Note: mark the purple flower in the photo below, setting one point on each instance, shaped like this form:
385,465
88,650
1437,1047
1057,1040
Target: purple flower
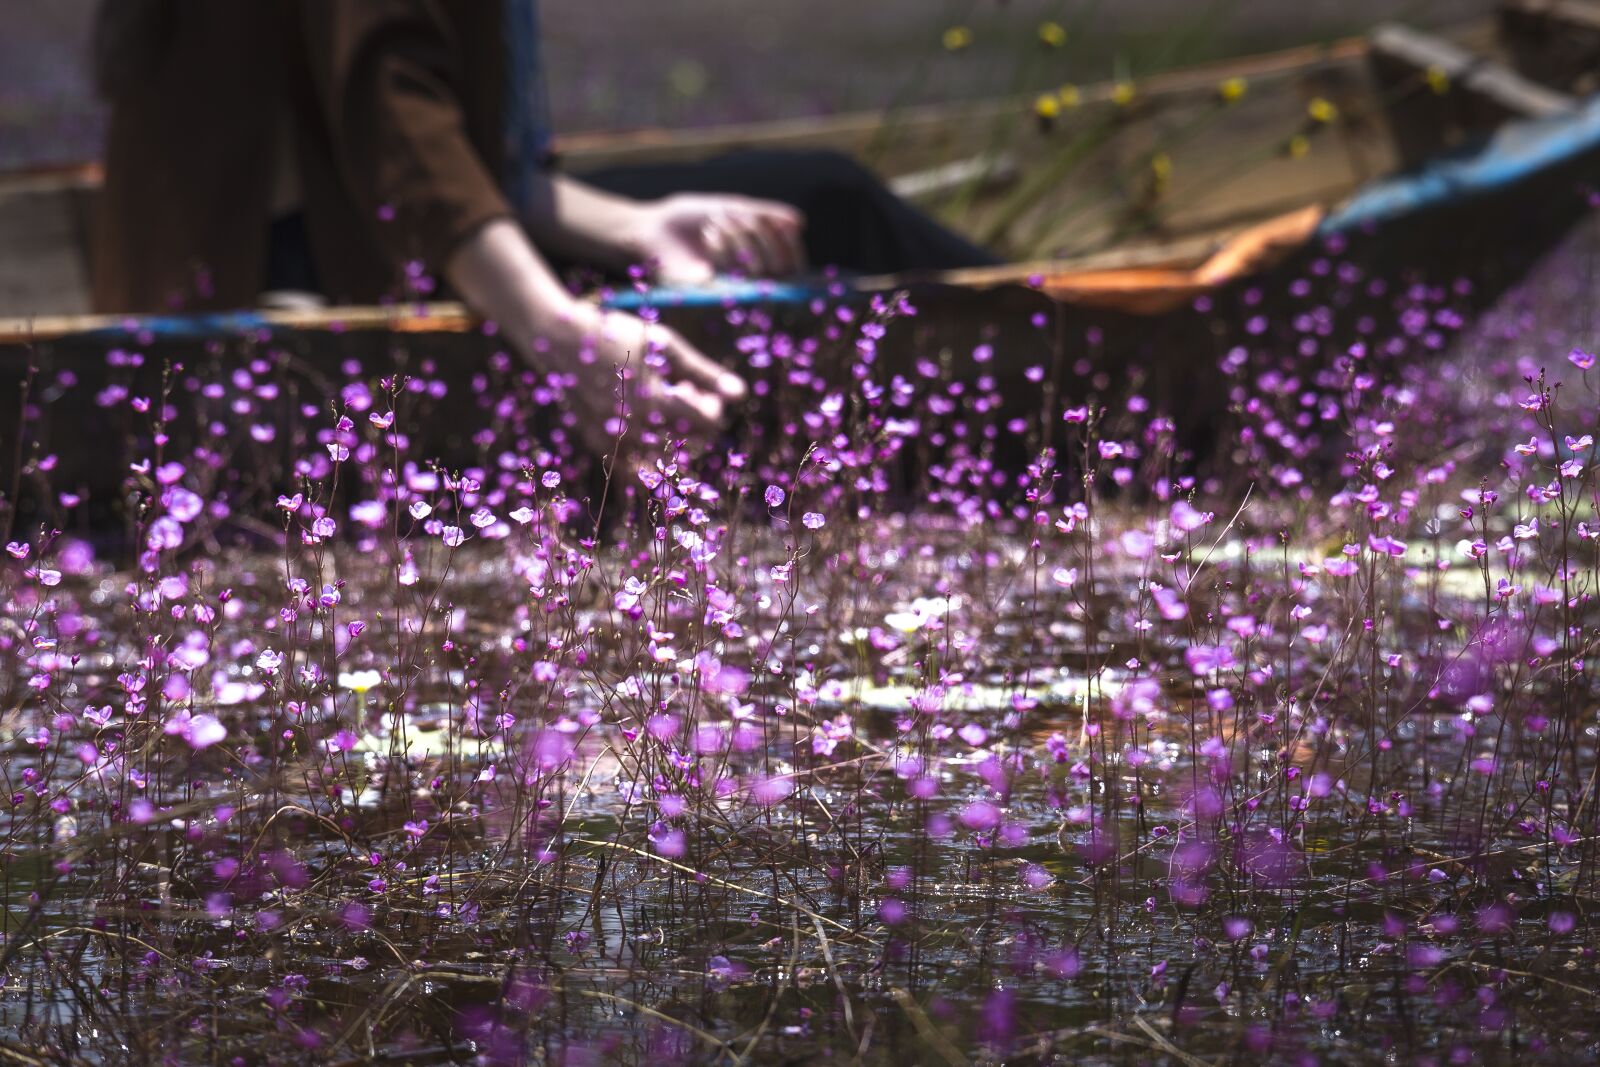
980,815
1187,519
165,533
769,791
774,497
200,731
1205,659
182,504
370,513
667,841
725,969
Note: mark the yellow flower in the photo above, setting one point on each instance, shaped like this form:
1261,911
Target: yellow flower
1232,90
1322,110
1047,106
1069,96
1052,34
956,38
1161,167
1122,94
1438,80
1298,146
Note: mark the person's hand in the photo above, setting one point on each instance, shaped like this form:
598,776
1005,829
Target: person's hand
627,376
692,237
633,376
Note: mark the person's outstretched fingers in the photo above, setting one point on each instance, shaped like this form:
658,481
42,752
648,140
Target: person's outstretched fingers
700,412
759,255
685,266
651,403
783,226
683,406
716,245
689,364
743,249
782,256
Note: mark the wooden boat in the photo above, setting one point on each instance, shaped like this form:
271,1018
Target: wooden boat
1130,196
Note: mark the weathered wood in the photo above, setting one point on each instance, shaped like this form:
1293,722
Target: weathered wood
1554,42
438,317
1464,71
1555,16
1442,96
987,171
854,132
42,242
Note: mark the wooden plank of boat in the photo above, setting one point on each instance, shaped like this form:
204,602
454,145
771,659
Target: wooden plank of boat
1469,92
934,124
44,227
1448,66
1554,42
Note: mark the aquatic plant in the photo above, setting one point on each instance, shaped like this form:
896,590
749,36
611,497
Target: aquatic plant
956,707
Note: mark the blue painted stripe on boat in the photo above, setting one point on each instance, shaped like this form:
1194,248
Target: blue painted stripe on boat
182,327
1516,151
720,293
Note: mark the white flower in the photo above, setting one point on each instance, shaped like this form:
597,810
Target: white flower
359,681
923,610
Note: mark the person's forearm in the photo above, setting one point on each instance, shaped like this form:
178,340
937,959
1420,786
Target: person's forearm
500,275
574,220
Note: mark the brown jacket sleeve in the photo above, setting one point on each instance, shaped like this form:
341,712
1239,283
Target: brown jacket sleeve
388,77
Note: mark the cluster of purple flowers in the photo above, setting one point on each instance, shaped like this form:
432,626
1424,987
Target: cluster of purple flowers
842,718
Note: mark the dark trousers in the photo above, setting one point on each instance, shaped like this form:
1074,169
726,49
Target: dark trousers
853,221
